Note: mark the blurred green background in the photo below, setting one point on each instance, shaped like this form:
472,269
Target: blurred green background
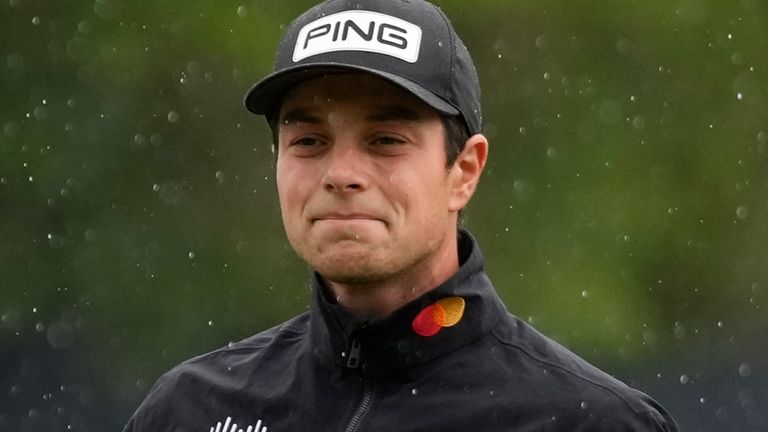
624,210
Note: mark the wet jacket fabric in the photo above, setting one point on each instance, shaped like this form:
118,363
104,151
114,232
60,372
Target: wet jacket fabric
327,370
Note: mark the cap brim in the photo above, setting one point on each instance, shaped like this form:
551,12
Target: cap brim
266,95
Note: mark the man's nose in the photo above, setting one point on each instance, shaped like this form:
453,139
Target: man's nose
345,171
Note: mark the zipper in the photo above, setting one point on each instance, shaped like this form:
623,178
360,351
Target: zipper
362,409
353,362
354,354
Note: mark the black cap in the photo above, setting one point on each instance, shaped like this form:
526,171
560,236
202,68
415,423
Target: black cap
410,43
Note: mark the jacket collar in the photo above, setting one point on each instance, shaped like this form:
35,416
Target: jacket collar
391,343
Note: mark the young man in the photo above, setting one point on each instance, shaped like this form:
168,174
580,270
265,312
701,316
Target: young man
375,108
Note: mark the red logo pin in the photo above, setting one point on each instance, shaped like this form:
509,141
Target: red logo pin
443,313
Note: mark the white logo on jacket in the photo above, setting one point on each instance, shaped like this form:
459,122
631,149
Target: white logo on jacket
359,31
227,427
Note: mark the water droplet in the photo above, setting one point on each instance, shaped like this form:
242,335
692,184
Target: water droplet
242,11
155,187
719,324
638,122
191,255
739,95
60,335
173,116
584,294
584,405
552,153
36,20
414,391
684,379
762,137
742,212
39,327
702,400
210,323
745,370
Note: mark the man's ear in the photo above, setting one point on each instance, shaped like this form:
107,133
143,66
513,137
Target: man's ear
465,172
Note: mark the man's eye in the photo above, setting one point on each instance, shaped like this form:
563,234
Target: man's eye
387,141
307,142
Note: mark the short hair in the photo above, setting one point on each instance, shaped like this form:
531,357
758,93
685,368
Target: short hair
456,136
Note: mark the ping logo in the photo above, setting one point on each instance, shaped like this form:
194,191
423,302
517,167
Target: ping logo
445,312
359,31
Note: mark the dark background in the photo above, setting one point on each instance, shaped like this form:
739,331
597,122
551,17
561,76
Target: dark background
624,210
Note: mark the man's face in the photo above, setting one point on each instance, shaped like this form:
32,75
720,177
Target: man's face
361,174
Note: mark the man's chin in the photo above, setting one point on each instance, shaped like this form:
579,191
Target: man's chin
348,270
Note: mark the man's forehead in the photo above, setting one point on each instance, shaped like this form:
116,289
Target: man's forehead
380,99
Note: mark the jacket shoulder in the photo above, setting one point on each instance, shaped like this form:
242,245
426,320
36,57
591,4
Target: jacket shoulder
222,371
580,393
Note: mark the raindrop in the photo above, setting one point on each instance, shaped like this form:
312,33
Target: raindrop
414,391
156,139
173,116
55,241
742,212
719,324
9,130
552,153
684,379
745,370
36,20
679,331
739,96
210,323
638,122
584,294
584,405
702,400
84,26
191,255
60,335
39,327
220,177
14,61
40,112
242,11
762,137
609,112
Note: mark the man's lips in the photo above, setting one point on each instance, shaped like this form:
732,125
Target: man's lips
346,217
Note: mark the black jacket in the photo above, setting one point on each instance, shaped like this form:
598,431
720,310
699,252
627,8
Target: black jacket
328,371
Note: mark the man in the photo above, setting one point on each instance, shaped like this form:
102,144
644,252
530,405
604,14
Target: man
374,105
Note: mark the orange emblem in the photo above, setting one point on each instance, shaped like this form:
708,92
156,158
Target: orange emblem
443,313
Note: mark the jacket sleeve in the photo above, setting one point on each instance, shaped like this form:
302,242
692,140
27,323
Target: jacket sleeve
638,413
153,413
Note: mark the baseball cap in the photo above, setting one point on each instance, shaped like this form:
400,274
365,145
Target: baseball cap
410,43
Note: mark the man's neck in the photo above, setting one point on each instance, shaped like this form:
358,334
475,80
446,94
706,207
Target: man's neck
379,299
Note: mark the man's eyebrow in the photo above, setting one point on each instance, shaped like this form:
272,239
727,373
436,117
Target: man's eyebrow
386,113
300,114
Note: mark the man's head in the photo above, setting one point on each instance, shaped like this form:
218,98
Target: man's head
410,43
365,99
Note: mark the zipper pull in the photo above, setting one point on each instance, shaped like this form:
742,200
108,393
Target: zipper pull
354,354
